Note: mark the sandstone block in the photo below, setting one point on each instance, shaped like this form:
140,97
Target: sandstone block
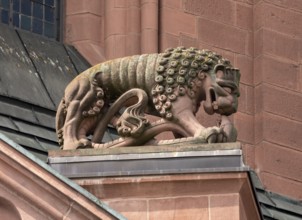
246,99
188,41
288,4
280,72
116,22
278,19
244,124
244,16
282,185
84,6
176,4
234,39
179,208
277,44
258,127
283,131
282,102
174,22
131,209
245,64
224,207
280,161
216,10
84,27
168,40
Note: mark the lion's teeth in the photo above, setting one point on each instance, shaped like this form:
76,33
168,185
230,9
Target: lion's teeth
215,105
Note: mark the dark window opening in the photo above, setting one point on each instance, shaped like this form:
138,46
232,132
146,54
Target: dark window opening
37,16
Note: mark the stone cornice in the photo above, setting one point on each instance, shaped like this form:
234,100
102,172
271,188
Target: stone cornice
41,189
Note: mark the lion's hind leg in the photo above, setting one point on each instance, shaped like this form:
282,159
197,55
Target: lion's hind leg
84,102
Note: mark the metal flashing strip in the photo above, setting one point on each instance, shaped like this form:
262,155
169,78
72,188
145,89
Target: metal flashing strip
149,163
79,159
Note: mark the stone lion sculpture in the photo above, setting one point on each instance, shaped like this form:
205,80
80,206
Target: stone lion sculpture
171,85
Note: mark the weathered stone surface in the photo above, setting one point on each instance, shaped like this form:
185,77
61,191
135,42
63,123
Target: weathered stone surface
244,16
277,44
280,161
224,207
277,183
288,4
17,70
278,19
147,149
183,196
212,10
38,192
235,39
245,64
175,82
179,208
283,131
186,23
54,67
135,209
275,37
291,106
245,121
246,99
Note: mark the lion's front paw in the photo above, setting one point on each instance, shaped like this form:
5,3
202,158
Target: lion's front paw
212,135
83,143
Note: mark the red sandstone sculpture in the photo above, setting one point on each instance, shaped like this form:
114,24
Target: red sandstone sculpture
171,85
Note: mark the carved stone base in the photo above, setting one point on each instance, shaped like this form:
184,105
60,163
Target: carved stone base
188,181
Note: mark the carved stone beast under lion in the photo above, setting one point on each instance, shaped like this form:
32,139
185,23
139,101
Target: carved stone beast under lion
171,85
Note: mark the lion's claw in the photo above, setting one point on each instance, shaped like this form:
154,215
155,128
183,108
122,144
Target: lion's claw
212,135
83,143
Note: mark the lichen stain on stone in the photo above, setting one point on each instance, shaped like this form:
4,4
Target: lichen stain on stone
51,61
6,50
68,69
33,55
54,63
35,73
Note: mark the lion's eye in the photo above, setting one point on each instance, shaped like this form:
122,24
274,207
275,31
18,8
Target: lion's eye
228,89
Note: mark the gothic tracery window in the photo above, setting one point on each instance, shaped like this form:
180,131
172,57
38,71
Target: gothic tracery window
37,16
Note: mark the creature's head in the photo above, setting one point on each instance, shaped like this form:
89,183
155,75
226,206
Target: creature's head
222,89
200,74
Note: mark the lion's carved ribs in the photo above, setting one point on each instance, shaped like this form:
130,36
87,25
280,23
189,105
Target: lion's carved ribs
170,85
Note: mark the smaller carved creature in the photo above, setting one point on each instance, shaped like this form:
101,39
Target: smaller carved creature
170,85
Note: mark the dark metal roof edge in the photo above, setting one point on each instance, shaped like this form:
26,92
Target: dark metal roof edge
67,181
275,207
72,53
252,181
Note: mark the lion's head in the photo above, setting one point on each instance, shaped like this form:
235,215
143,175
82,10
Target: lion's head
200,74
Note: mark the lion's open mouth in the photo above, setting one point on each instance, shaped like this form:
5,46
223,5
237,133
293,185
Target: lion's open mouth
228,86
